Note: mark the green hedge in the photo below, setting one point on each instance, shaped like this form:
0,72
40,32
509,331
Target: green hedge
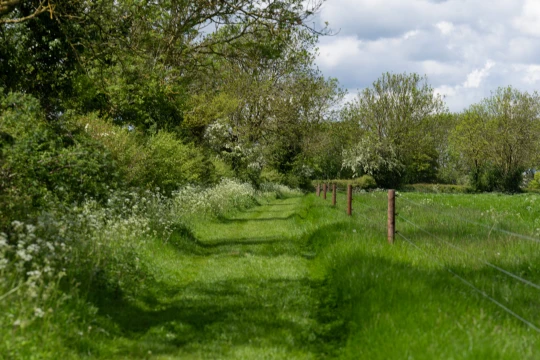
363,182
438,188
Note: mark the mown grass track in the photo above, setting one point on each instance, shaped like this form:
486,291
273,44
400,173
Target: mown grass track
243,287
298,279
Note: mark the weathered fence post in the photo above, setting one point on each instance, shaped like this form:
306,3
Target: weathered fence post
349,200
318,191
324,191
391,215
334,194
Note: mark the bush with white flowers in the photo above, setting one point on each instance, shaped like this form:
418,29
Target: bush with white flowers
98,246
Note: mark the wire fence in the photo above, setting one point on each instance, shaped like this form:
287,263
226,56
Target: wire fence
471,285
374,220
491,228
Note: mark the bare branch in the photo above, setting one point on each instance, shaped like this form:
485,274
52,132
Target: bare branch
7,6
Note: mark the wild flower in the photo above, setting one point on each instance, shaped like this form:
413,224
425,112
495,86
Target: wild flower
81,241
38,313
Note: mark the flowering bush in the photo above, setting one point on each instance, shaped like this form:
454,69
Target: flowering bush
92,250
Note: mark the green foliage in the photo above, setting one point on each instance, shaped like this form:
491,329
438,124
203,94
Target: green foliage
438,188
498,139
364,182
38,58
422,168
171,163
376,159
159,160
272,175
399,118
42,163
221,170
535,183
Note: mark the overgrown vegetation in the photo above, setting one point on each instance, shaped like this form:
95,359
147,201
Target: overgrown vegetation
132,128
58,272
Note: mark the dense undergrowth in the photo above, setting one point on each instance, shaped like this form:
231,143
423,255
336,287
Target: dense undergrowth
56,270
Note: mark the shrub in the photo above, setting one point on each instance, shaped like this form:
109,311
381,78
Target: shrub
40,162
535,183
438,188
171,163
160,160
364,182
125,146
492,178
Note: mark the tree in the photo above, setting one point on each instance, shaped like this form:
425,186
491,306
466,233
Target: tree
499,139
398,116
134,60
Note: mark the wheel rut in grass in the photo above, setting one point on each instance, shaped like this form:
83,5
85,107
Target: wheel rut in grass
250,291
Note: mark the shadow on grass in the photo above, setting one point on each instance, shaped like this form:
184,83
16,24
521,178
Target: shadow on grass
208,317
185,242
226,220
305,315
289,315
383,297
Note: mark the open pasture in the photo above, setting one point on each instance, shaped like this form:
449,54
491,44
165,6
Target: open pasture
461,281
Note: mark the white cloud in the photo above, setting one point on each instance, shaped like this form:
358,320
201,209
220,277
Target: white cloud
445,27
474,79
410,34
529,19
449,41
334,53
531,73
445,90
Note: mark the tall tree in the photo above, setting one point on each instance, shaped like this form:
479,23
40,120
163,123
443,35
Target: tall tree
397,116
133,60
499,138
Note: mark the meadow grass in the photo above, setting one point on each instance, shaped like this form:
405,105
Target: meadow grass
239,287
404,303
295,278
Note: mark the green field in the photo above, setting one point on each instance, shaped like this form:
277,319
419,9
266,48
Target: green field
295,278
404,302
298,279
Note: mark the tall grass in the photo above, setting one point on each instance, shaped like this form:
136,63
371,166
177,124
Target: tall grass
55,271
403,302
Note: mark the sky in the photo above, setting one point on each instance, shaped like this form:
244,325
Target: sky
466,48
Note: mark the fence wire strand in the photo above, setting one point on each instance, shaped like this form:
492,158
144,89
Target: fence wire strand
471,285
517,277
463,280
491,228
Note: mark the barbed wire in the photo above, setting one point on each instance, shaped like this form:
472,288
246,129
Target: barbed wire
376,223
462,279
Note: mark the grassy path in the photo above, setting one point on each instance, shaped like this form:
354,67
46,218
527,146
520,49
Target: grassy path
298,279
245,288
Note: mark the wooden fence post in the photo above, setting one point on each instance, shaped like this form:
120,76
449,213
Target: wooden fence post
391,215
334,194
324,191
349,200
318,191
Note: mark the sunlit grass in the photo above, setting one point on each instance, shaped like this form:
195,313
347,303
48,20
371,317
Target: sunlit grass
296,278
404,303
299,279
